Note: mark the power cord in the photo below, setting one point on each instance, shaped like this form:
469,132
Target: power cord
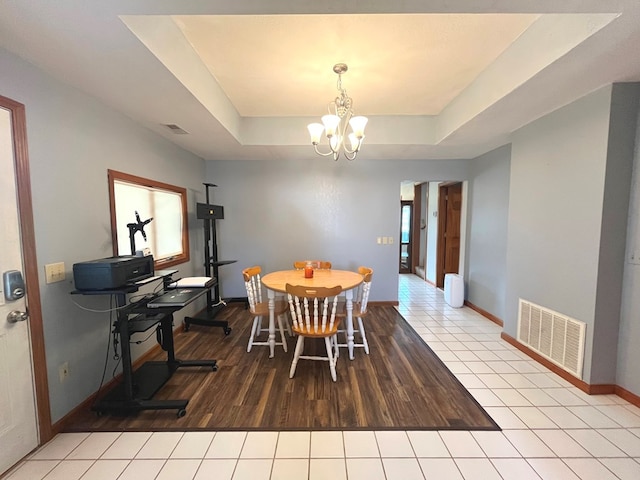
116,338
138,342
154,292
111,309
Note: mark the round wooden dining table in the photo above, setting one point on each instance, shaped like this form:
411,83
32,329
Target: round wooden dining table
275,282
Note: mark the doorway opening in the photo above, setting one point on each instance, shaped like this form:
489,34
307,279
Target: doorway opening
436,229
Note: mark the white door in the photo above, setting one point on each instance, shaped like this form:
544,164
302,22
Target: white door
18,428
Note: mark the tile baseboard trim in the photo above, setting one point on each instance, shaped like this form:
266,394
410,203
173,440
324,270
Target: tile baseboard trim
595,389
576,382
627,395
484,313
385,303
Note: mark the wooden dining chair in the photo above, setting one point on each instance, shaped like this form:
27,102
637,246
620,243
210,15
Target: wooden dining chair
260,309
360,302
317,264
313,313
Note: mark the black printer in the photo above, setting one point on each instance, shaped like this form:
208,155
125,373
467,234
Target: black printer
112,273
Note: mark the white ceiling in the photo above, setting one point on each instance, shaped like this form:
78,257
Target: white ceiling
244,78
273,77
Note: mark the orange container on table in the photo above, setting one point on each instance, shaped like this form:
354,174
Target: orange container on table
308,270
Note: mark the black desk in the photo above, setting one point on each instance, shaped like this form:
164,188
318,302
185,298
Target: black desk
137,389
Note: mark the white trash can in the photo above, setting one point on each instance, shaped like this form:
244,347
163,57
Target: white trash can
454,290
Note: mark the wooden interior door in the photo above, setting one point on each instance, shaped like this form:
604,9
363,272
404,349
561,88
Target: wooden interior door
449,212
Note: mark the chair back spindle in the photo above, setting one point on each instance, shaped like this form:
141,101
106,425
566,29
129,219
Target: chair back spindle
260,309
253,286
362,298
313,310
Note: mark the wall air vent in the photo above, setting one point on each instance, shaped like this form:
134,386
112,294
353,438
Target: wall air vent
556,337
176,129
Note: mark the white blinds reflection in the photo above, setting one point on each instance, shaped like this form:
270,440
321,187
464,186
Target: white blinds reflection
164,237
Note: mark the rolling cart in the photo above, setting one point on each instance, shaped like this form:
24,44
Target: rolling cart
209,214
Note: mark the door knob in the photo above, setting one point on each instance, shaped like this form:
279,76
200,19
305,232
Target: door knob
16,316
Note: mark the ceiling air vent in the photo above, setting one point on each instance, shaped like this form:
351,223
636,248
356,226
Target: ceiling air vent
175,129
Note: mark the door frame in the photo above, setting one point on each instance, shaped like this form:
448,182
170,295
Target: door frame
30,265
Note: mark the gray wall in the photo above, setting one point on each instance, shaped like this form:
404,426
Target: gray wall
615,209
629,337
560,204
279,211
488,200
73,140
555,211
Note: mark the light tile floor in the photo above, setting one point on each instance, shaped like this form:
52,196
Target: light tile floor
550,429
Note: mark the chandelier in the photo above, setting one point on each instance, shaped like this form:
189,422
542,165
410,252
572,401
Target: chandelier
335,123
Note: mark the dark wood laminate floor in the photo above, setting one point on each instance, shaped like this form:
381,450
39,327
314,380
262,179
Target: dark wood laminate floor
400,385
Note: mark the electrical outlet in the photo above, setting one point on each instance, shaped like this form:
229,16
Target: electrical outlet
63,371
390,240
54,272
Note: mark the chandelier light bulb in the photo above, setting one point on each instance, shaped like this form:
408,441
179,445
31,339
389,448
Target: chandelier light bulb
315,131
357,125
331,124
